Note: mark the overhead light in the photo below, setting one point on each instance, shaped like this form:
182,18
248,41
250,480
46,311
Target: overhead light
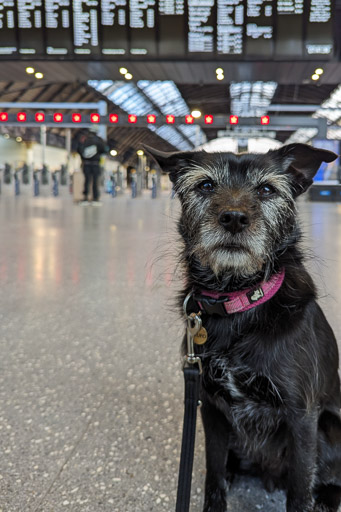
128,76
39,75
219,71
6,135
318,71
139,152
113,152
220,77
196,114
123,71
18,139
315,76
30,70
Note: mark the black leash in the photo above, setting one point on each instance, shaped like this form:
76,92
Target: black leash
192,371
192,381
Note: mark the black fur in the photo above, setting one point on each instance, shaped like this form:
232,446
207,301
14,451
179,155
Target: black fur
270,386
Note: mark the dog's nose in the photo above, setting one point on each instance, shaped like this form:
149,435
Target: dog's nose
233,221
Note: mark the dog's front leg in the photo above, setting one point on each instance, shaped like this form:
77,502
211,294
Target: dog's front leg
216,435
302,451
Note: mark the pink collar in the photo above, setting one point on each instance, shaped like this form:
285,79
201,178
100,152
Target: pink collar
236,302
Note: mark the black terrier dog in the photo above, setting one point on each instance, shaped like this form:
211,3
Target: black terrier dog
270,388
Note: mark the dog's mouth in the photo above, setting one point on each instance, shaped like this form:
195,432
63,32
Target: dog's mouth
231,248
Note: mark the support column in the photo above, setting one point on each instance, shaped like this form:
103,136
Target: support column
103,111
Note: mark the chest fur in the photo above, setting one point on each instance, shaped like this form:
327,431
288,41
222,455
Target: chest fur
250,401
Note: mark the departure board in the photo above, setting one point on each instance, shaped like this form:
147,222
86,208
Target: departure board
107,29
201,25
142,25
172,27
31,27
8,35
114,24
290,13
58,23
230,27
259,27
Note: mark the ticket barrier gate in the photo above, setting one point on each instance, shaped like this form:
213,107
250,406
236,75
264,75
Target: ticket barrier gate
17,182
63,175
154,186
116,184
55,183
119,182
25,174
113,190
36,183
7,174
44,175
133,185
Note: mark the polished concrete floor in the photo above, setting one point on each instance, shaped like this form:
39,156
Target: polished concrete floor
91,386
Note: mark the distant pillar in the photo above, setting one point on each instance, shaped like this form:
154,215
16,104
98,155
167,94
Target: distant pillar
43,143
103,111
68,148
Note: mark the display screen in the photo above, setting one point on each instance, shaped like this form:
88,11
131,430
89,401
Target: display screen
234,29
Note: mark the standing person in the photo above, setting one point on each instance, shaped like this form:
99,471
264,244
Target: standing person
90,148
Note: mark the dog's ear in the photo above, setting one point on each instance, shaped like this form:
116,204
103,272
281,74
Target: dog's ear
302,162
172,163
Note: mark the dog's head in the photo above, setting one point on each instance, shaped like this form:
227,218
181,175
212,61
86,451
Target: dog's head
239,210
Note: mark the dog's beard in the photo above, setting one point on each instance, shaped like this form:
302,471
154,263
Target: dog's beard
238,262
240,256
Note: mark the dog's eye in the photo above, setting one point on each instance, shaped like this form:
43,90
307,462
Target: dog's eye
266,191
206,186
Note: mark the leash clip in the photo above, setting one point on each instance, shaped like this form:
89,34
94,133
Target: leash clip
194,324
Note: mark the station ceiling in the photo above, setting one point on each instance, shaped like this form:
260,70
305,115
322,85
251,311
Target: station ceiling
195,81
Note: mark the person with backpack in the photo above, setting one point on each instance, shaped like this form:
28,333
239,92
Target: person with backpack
91,147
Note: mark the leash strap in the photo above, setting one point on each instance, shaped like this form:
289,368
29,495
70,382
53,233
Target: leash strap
192,381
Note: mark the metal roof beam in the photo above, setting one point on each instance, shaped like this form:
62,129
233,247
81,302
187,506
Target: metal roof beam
51,105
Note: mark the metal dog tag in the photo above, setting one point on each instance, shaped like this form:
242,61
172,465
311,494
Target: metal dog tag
201,337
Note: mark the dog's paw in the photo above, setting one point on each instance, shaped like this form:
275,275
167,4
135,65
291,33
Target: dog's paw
215,499
321,508
301,506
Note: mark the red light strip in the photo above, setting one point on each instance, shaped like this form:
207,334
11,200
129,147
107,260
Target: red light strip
189,119
234,119
113,118
95,118
132,118
3,116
